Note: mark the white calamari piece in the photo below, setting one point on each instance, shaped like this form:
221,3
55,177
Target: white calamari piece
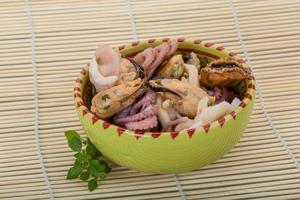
193,74
163,115
236,102
202,104
98,80
212,113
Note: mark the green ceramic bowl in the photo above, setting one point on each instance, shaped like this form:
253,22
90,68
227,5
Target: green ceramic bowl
167,152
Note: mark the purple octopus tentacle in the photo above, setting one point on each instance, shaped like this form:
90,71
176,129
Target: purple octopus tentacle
146,113
145,124
146,100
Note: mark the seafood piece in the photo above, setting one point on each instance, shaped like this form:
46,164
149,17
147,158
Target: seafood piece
145,58
222,94
184,125
139,113
192,58
123,113
224,73
173,48
162,114
108,61
146,100
207,115
145,124
236,102
193,74
161,52
111,101
149,111
98,80
173,69
181,123
184,80
130,71
184,97
126,77
212,113
203,103
126,66
173,113
151,58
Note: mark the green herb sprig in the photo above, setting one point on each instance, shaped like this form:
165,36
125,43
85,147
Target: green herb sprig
87,165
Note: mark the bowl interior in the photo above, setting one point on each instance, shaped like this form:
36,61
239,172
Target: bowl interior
206,50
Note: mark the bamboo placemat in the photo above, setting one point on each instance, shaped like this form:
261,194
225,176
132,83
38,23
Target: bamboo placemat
44,43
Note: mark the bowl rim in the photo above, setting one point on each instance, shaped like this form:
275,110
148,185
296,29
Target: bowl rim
248,97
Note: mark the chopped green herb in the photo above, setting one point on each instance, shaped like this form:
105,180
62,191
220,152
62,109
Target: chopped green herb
104,97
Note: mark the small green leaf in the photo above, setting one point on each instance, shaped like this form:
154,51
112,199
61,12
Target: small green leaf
84,142
74,172
102,175
76,144
99,166
91,150
92,185
107,169
84,176
89,157
70,135
77,163
80,157
92,169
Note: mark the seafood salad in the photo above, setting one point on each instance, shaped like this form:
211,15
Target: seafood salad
162,88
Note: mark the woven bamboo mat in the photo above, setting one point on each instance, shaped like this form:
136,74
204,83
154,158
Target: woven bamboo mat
44,43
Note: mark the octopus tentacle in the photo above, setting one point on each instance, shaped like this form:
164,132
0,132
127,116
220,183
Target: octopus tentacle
146,100
145,124
173,48
161,52
123,113
149,111
145,58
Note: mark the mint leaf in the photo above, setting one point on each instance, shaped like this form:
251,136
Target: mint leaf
92,169
70,135
107,169
98,165
77,163
74,172
91,150
84,176
89,157
102,175
80,157
92,185
76,144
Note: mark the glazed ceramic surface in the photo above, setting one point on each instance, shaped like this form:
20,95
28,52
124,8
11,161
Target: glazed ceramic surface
167,152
